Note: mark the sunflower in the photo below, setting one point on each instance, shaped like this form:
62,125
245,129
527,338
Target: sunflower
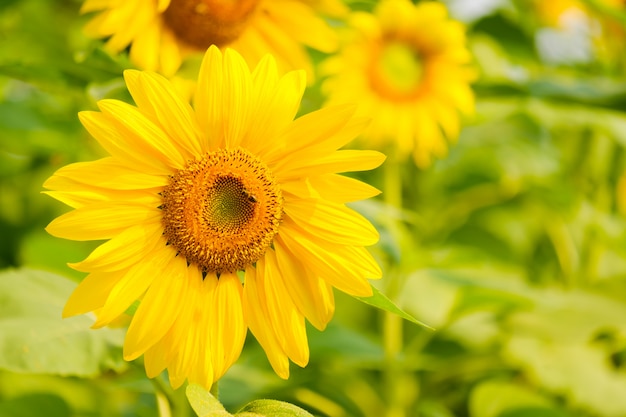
222,217
562,13
161,33
407,66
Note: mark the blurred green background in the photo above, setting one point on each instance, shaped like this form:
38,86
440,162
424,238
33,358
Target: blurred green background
513,247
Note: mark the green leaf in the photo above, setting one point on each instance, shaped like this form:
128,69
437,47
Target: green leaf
272,408
534,412
492,398
35,339
36,404
203,403
380,300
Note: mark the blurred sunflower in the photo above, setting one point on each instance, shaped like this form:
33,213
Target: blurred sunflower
559,13
575,31
219,217
161,33
406,65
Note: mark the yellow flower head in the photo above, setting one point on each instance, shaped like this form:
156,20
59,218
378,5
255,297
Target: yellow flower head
163,32
219,217
559,13
407,67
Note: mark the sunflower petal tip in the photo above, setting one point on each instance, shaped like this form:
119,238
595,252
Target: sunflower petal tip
176,381
98,324
378,158
303,361
75,266
130,355
213,49
301,77
282,373
50,228
131,75
83,115
67,312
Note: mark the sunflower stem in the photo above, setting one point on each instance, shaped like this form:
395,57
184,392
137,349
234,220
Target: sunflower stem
163,404
170,403
392,323
164,397
392,180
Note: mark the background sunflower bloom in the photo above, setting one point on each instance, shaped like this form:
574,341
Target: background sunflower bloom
407,66
220,217
161,33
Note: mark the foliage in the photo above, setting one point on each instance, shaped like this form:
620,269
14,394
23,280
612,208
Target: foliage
513,247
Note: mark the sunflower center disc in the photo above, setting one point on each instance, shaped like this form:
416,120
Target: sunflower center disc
397,70
222,212
202,23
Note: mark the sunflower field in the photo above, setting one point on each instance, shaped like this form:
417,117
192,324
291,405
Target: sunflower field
333,208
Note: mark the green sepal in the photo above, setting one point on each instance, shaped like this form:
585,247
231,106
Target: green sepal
203,403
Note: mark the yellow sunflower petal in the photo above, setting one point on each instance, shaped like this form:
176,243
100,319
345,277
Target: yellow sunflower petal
162,5
317,132
106,173
154,359
171,53
91,293
287,321
342,189
154,96
133,284
331,221
101,221
276,102
202,372
144,51
191,312
237,90
255,313
252,46
290,54
86,195
313,296
227,327
339,161
186,349
121,39
142,133
208,98
94,5
157,313
282,12
186,344
100,127
105,23
123,250
448,119
335,264
181,365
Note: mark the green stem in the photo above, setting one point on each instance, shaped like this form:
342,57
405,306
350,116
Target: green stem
392,181
163,404
170,403
164,397
392,323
